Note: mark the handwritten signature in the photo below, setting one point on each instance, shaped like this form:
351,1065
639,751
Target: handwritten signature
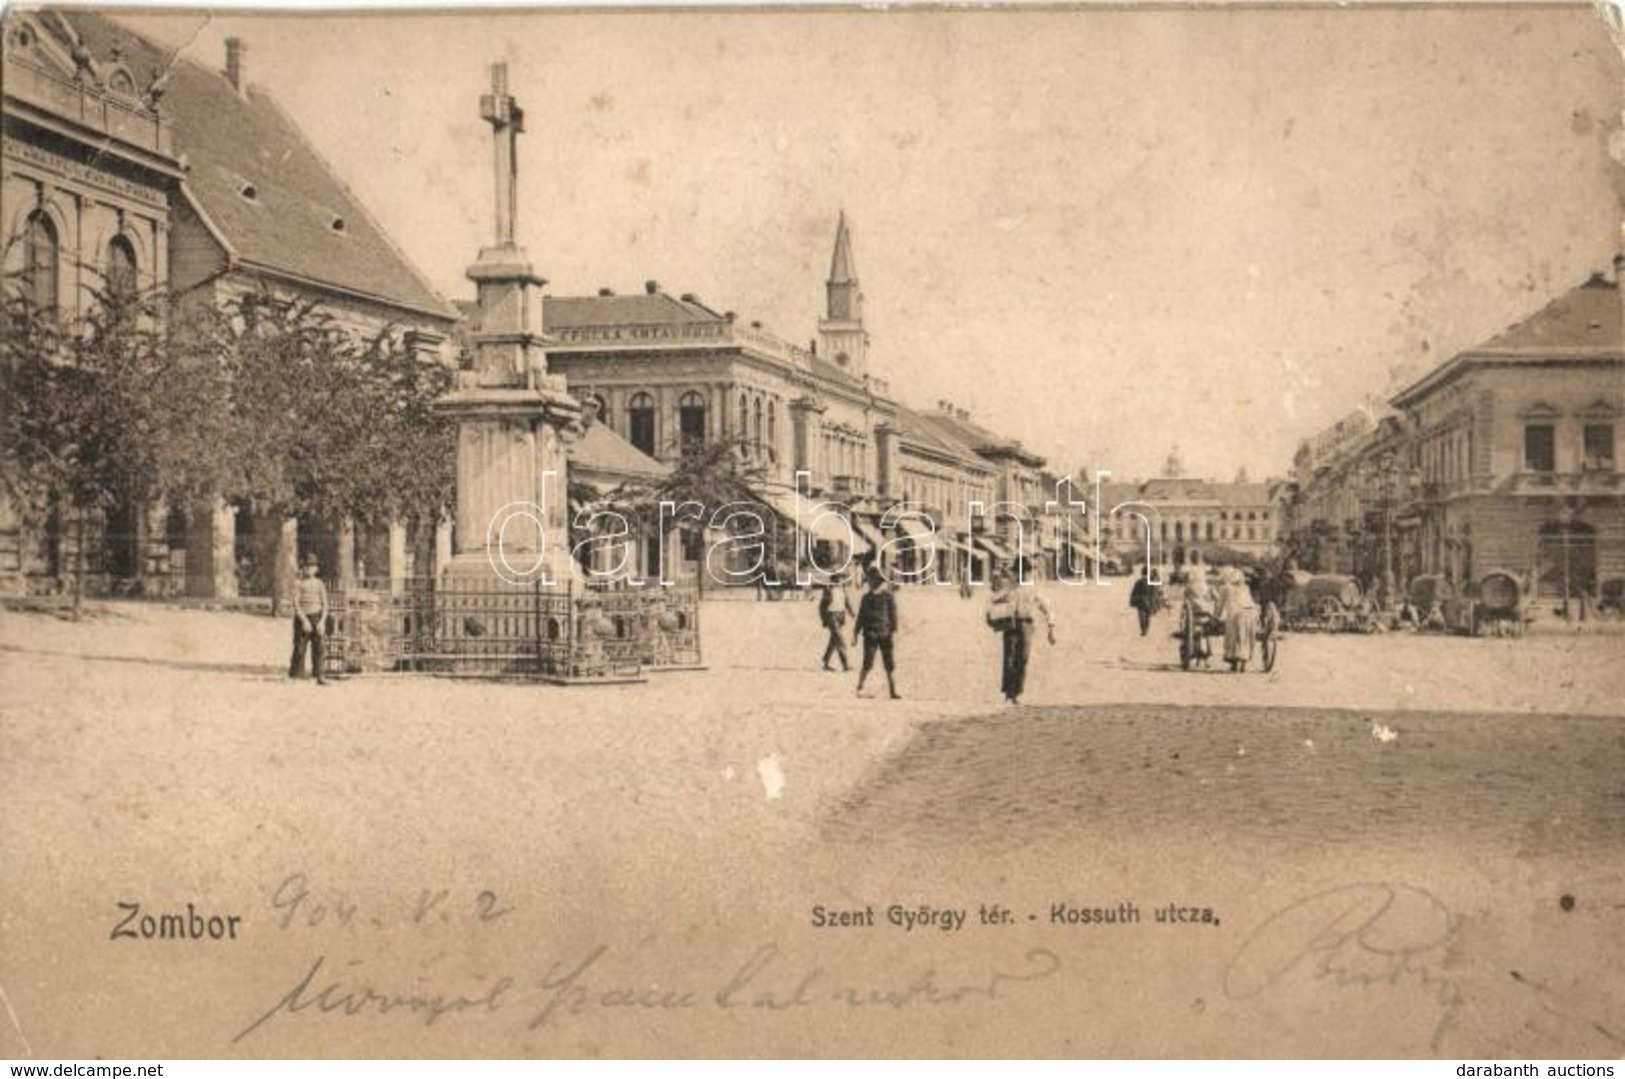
764,981
1355,935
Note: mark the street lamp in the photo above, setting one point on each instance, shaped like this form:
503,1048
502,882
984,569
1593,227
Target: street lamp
1395,480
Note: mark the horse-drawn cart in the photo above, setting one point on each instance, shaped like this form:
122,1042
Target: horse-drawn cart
1500,608
1327,602
1438,608
1198,624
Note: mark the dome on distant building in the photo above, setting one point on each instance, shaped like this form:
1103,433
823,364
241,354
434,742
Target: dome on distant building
1174,468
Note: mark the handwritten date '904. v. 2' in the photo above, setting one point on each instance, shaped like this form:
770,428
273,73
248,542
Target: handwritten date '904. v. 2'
297,904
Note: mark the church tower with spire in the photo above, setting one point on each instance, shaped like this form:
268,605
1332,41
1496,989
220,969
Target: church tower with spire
841,336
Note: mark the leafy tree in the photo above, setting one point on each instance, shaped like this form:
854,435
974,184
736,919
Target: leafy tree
140,399
102,410
328,425
713,475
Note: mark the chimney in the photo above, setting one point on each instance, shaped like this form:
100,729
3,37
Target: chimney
236,53
606,292
651,286
1619,268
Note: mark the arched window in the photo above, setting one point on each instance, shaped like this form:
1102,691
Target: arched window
773,427
41,260
640,422
756,438
121,276
691,420
744,420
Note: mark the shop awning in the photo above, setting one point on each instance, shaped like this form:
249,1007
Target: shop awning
868,533
1085,556
820,520
994,547
914,529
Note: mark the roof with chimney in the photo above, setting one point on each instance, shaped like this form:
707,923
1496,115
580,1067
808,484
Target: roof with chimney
266,194
956,424
916,430
1588,318
1585,324
648,308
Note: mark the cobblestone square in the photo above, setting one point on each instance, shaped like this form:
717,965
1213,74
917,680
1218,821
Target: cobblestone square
693,822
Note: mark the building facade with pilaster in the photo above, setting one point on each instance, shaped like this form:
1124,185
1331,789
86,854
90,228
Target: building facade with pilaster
1514,447
128,167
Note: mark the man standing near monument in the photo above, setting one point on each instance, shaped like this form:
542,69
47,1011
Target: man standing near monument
309,621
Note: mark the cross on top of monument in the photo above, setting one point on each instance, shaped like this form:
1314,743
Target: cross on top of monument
507,120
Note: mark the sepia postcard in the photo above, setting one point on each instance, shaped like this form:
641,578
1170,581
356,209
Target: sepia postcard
1016,531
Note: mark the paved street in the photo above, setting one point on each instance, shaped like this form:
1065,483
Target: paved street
1454,809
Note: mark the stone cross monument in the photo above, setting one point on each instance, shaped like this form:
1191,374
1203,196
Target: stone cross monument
512,416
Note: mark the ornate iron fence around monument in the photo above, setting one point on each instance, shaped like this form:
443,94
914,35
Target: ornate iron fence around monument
494,630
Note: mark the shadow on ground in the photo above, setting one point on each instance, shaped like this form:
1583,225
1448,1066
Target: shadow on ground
258,670
1283,776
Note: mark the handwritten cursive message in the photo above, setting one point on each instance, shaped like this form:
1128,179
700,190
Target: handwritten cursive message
765,981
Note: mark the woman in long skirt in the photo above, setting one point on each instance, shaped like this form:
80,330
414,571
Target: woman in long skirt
1240,614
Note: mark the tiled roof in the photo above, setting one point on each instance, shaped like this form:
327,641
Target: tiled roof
832,372
978,438
1241,494
1185,489
918,429
232,143
1585,323
1588,317
602,450
637,309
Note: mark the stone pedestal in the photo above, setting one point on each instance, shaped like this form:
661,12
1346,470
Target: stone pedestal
512,420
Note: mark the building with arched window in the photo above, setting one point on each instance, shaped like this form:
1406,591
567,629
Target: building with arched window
126,170
1514,449
1186,519
674,371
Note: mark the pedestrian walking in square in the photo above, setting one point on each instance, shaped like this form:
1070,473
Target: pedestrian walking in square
1143,598
309,620
834,608
877,625
1014,612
